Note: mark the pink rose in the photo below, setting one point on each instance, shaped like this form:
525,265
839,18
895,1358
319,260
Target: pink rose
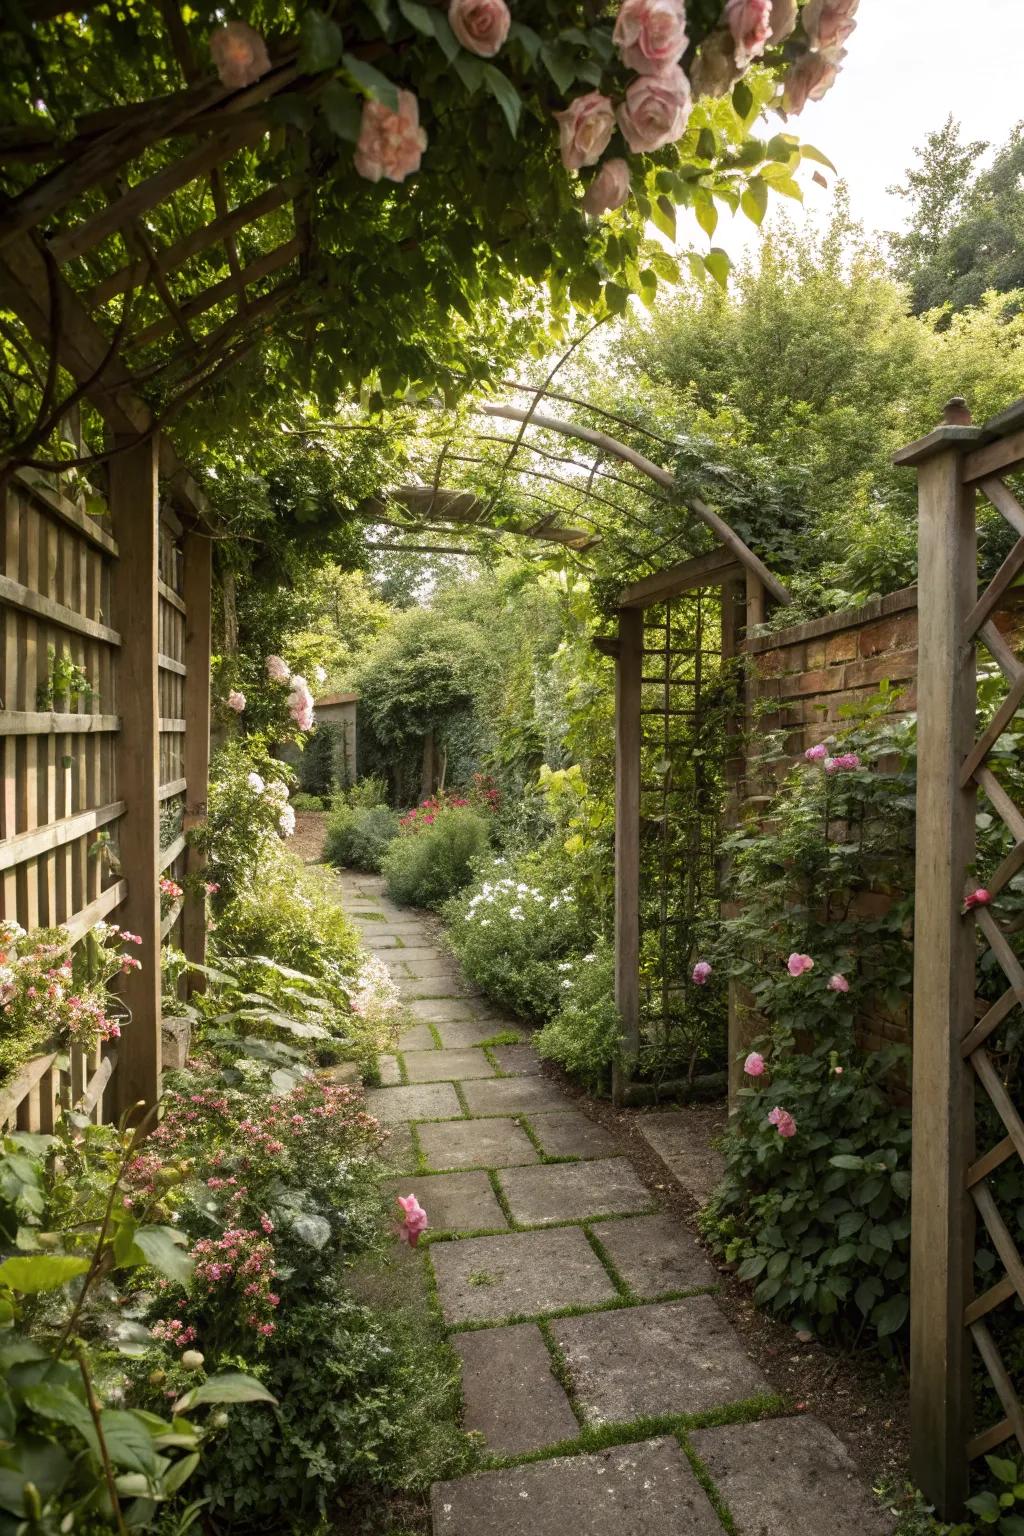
811,78
236,701
701,973
840,764
784,14
715,71
750,22
828,23
584,129
239,54
838,983
300,704
414,1221
481,26
277,669
650,34
978,898
609,188
390,144
798,965
783,1122
754,1064
815,754
655,110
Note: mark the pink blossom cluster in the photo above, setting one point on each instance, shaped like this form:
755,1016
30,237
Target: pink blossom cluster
300,703
170,888
783,1122
173,1330
242,1259
236,701
37,983
414,1220
278,669
701,973
843,763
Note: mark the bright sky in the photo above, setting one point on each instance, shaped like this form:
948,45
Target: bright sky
910,63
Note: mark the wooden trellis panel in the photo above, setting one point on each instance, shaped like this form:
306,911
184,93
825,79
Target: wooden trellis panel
172,672
958,1090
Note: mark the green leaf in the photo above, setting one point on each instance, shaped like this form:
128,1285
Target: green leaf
228,1387
718,264
469,70
162,1249
59,1404
371,82
585,289
341,109
847,1160
1005,1471
663,216
180,1472
985,1504
505,94
560,65
890,1315
46,1273
742,99
664,265
129,1442
754,199
707,144
417,16
808,152
320,43
447,41
616,297
705,210
529,40
381,13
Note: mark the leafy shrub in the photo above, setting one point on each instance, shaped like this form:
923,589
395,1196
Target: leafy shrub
511,931
425,868
367,791
304,802
290,914
359,836
1000,1508
247,814
815,1201
583,1037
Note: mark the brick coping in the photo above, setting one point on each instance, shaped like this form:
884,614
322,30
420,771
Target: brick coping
830,623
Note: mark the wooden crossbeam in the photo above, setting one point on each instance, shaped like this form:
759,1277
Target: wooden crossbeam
999,458
1004,1387
1001,803
700,571
226,288
87,234
993,593
1010,866
994,1297
989,1078
176,255
1011,966
1000,1235
1000,650
1004,501
992,732
990,1021
993,1159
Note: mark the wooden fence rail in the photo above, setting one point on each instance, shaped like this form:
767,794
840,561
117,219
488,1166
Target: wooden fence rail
99,786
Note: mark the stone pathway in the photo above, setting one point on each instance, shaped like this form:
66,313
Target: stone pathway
611,1394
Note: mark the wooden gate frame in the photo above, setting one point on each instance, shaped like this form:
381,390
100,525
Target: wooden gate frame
950,1180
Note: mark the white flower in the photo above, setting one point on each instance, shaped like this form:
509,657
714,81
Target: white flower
286,821
588,958
566,984
565,965
485,922
277,792
255,783
320,673
516,914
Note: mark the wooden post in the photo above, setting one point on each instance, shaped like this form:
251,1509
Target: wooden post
198,574
942,1241
628,670
134,512
736,596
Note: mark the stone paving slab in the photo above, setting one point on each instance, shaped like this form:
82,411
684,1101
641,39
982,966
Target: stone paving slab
517,1060
509,1392
413,952
633,1490
512,1095
399,1151
454,1202
439,1066
419,1101
419,1037
656,1254
681,1141
678,1357
439,964
465,1032
390,1075
568,1133
476,1144
374,940
485,1279
574,1191
438,1010
789,1477
421,989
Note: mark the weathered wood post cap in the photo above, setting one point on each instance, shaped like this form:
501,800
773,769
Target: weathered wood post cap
956,412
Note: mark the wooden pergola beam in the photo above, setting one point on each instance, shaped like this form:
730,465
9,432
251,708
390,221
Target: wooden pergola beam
461,507
709,570
663,477
226,288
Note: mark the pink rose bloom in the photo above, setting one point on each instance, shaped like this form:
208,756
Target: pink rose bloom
783,1122
798,965
609,188
750,22
656,110
715,71
811,78
277,669
784,14
239,54
236,701
390,144
978,898
815,754
701,973
842,763
838,983
754,1064
584,129
481,26
828,23
650,34
414,1222
300,704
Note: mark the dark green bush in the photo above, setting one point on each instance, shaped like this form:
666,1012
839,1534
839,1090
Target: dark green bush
359,836
426,867
583,1037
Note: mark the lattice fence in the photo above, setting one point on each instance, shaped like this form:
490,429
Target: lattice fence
967,1281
